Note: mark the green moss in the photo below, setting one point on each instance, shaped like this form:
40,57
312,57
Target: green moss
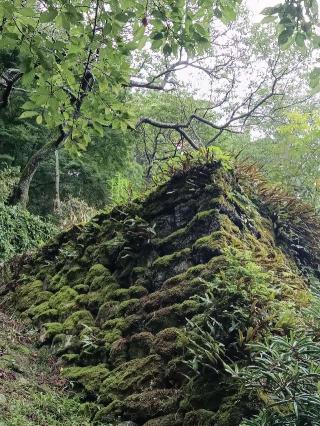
140,345
37,310
169,420
166,261
91,301
70,358
128,306
62,343
49,330
233,409
233,274
99,276
95,271
132,292
118,323
89,377
58,281
108,414
200,418
74,274
163,242
150,403
63,300
43,313
42,296
172,316
107,311
46,316
27,294
167,342
206,213
111,336
81,288
108,250
131,377
137,291
217,242
77,321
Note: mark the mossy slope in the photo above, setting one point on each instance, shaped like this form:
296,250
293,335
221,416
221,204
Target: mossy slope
113,297
32,392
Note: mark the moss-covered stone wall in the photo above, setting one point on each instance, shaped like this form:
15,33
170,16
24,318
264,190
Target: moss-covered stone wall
115,298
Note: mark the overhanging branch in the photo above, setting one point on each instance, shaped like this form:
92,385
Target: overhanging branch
7,81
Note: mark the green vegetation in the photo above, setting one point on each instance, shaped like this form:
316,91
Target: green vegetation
32,392
159,213
21,231
285,373
152,320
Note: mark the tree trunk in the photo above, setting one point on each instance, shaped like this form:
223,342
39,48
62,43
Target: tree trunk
57,201
20,194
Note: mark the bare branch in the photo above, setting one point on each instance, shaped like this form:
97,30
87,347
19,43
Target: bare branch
180,128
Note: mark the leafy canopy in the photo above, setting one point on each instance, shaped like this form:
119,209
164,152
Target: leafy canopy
77,56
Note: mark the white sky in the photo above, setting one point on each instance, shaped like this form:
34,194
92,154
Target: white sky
256,6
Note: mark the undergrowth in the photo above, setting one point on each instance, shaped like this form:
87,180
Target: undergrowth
294,219
269,346
32,393
21,231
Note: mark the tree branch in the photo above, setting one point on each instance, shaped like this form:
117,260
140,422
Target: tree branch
7,81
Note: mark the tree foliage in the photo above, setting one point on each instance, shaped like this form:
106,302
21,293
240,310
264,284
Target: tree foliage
67,48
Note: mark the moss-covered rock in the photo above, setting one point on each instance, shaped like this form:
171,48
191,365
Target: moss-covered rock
28,294
131,377
77,321
63,300
201,418
49,330
89,377
126,300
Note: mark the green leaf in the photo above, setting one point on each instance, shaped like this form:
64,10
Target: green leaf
157,36
63,21
300,39
156,44
314,78
28,114
229,13
268,19
271,10
27,11
167,49
139,33
284,37
122,17
48,16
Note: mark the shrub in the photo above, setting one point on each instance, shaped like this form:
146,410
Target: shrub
73,211
285,373
8,178
21,231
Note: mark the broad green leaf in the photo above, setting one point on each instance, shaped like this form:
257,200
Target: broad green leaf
300,39
156,44
28,114
284,36
268,19
167,49
27,11
139,33
228,13
48,16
